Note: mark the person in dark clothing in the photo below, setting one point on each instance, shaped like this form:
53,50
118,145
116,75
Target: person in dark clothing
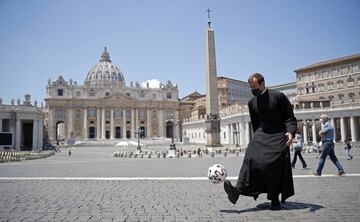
266,167
298,146
347,148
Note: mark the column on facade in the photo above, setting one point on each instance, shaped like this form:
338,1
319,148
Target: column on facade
132,123
18,134
124,124
98,132
85,130
238,132
334,126
70,123
51,125
35,134
242,133
148,123
305,132
41,132
313,128
112,123
161,123
177,125
353,128
227,130
342,129
103,123
137,121
247,132
231,133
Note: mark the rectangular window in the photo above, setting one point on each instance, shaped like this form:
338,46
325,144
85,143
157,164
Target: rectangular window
118,114
60,92
168,95
142,114
107,114
78,94
92,113
59,113
6,125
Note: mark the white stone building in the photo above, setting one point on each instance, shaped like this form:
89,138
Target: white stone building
331,87
23,124
105,109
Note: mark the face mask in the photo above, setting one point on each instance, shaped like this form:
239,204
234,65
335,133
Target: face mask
256,92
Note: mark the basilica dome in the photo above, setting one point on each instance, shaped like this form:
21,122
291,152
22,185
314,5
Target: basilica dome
105,73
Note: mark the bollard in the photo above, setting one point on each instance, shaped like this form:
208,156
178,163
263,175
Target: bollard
212,154
225,153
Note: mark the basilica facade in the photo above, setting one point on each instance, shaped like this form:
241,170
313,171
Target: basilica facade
104,108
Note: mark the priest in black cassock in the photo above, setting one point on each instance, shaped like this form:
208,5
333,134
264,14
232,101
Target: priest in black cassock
266,167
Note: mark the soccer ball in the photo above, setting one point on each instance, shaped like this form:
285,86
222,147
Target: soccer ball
217,173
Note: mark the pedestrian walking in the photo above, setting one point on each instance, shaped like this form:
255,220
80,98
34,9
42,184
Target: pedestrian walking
347,148
69,152
266,167
327,147
298,147
199,152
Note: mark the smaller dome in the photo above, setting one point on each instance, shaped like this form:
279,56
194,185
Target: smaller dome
105,73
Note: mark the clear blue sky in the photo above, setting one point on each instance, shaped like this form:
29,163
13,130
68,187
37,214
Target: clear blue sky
164,40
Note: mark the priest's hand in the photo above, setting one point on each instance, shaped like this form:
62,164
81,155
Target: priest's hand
289,137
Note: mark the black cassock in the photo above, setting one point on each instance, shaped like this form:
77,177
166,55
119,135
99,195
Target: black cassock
266,167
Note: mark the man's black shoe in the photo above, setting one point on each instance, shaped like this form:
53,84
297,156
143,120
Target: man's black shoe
233,194
275,204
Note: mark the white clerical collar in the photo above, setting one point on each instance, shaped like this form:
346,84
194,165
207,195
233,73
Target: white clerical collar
264,91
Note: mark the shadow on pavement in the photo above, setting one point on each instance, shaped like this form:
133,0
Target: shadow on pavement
289,205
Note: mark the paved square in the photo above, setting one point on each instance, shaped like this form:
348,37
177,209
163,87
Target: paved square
92,185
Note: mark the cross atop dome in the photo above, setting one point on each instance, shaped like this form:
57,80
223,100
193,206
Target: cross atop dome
105,56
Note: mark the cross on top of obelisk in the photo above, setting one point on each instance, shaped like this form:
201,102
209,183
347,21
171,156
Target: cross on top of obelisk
209,22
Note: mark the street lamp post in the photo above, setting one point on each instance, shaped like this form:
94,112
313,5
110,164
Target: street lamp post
138,148
172,150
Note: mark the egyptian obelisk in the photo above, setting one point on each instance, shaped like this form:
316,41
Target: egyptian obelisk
212,106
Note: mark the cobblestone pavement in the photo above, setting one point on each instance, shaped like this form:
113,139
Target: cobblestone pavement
99,198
